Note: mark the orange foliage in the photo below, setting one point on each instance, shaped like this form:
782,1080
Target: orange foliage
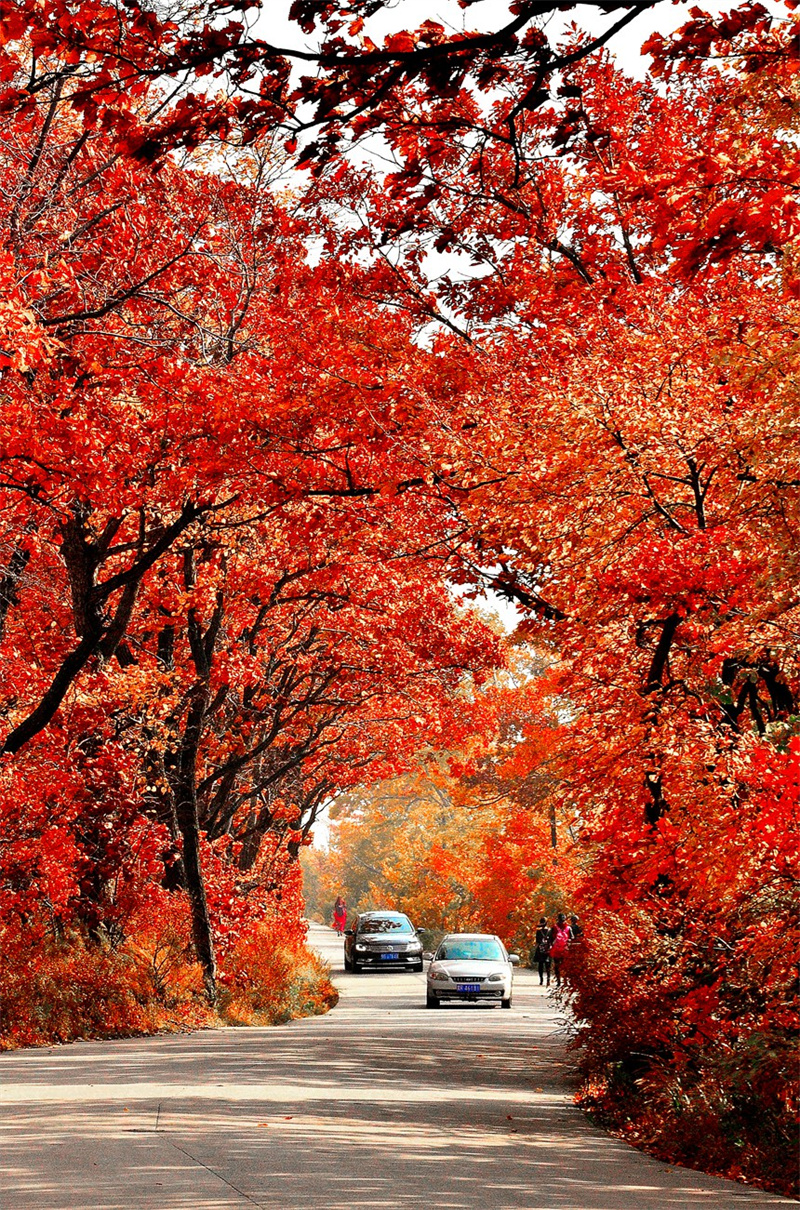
61,986
221,596
475,841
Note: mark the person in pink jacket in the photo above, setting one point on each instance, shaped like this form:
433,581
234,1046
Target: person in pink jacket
560,937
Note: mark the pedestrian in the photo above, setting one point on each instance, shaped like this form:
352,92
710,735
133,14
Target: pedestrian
577,929
339,915
560,937
541,953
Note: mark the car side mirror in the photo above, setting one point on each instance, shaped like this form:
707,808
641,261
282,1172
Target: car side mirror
427,957
349,932
514,959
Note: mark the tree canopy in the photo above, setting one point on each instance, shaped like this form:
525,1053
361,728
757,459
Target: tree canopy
521,322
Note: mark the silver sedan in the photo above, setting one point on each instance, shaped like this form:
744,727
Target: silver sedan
471,966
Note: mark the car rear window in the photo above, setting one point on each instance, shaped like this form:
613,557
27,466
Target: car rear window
385,924
470,951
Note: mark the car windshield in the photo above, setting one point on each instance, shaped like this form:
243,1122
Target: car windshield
483,950
385,924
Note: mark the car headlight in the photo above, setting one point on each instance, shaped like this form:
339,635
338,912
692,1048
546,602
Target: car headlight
495,979
414,947
440,974
361,947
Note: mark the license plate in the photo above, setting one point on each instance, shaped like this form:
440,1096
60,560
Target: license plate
468,987
385,956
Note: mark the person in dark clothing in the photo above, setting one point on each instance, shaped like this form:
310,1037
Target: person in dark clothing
577,928
541,952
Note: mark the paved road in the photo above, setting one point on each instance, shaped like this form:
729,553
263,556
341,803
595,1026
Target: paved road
380,1104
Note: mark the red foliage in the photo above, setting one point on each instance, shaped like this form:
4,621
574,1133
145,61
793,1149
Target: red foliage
629,379
236,486
222,597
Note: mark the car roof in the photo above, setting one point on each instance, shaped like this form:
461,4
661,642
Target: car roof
470,937
390,915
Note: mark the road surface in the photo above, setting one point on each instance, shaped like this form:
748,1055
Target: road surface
382,1103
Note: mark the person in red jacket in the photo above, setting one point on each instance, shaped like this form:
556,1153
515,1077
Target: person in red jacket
340,915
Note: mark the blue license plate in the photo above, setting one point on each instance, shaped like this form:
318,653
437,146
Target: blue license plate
468,987
385,956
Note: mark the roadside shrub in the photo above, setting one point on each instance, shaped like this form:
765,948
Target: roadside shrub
687,1045
58,985
269,979
60,988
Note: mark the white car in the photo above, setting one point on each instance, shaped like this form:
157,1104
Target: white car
471,966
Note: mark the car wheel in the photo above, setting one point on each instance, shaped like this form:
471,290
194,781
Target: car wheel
416,968
431,1001
506,1003
348,966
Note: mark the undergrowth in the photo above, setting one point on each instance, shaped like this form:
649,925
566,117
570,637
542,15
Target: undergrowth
708,1083
712,1118
58,986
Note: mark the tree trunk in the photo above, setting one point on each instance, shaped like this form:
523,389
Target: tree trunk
201,924
186,816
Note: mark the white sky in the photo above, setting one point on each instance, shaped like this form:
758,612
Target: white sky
273,23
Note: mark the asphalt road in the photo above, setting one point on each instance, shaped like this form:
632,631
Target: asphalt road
382,1103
